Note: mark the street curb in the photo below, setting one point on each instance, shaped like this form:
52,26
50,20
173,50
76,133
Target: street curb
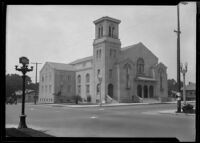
107,105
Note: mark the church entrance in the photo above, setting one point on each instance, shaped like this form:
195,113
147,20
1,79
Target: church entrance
145,92
151,91
139,91
110,90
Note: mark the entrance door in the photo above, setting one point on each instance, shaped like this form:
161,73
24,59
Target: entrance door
151,91
139,91
145,92
110,90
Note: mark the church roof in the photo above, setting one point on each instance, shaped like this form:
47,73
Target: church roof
107,18
135,46
61,66
81,60
131,46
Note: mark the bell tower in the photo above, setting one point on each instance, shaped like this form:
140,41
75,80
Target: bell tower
106,50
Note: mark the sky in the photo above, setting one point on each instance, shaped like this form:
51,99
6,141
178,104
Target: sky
64,33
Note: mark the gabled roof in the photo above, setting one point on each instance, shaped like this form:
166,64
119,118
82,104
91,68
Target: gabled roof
131,46
81,60
107,18
138,45
61,66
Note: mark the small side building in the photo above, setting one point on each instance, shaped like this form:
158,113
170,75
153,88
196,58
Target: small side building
57,83
190,91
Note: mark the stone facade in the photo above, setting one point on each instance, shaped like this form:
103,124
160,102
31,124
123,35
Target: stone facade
125,74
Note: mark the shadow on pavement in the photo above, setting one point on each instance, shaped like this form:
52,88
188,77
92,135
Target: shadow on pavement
25,132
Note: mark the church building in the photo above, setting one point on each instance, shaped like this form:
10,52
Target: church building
113,73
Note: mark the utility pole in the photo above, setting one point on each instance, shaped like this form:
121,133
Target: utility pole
35,81
178,55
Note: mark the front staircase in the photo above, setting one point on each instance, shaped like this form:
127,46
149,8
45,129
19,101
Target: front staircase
110,100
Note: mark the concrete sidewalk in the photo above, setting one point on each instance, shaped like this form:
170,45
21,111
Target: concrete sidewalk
109,105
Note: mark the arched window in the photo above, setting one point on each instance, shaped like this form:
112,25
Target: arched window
127,69
161,71
113,31
140,66
100,53
79,79
87,77
101,31
109,31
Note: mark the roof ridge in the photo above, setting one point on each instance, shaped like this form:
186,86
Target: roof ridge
76,61
127,47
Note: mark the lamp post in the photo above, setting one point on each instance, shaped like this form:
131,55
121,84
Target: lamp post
24,69
184,71
100,80
178,54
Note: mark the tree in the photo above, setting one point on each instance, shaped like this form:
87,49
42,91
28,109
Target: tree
172,86
14,83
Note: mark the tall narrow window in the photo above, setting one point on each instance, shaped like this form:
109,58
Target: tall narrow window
160,71
109,31
127,69
87,77
100,53
113,31
79,79
79,89
140,66
101,31
97,54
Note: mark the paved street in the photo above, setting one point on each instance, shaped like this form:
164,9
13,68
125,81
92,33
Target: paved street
119,121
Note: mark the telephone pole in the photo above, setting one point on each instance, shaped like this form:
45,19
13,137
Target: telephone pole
178,54
35,81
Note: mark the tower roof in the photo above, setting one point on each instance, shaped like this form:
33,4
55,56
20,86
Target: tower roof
107,18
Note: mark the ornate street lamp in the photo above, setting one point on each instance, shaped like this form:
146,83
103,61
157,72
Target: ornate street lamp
100,80
24,69
183,71
178,54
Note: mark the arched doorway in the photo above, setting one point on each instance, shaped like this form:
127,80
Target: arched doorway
145,92
110,90
139,91
151,91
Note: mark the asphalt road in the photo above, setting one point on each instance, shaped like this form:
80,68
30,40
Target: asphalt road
120,121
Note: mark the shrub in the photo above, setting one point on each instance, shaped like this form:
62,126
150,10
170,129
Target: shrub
188,108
